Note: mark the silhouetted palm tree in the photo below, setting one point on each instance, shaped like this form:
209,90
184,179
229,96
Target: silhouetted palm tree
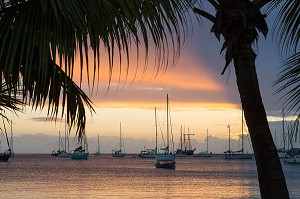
238,22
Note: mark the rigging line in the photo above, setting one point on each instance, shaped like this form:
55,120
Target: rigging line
162,136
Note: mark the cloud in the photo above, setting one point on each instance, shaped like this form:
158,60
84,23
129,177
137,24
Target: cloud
41,119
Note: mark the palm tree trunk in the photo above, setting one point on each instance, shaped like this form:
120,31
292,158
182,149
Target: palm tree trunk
270,175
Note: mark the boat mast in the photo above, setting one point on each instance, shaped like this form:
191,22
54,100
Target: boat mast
65,135
168,123
120,137
207,140
59,140
98,144
181,138
155,131
229,137
242,131
283,133
11,138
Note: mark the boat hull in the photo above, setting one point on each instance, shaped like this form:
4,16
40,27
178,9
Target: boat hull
63,155
118,154
165,157
282,154
238,156
190,152
147,155
4,157
79,156
205,155
165,165
180,155
292,160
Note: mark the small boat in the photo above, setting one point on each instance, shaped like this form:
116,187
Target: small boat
240,153
295,159
80,152
188,146
63,154
165,165
166,159
98,149
5,155
188,150
150,153
283,152
121,151
180,152
204,153
293,156
55,153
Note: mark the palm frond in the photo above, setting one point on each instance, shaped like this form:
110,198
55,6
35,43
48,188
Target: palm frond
38,36
238,22
289,82
286,26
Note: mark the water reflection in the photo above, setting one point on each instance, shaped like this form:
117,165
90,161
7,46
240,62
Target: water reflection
45,176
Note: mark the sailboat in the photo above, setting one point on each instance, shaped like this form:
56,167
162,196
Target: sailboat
55,153
150,153
98,149
283,152
237,154
204,153
166,159
188,146
121,151
4,156
180,152
81,152
63,153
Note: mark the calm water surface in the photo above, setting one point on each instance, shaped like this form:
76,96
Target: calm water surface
44,176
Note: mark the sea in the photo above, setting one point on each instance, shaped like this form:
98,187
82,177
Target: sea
44,176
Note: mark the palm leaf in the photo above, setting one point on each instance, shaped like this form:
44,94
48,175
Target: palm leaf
41,38
288,81
286,26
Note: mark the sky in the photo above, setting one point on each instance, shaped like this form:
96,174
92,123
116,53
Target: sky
200,100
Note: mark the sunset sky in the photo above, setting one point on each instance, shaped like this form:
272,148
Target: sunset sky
200,99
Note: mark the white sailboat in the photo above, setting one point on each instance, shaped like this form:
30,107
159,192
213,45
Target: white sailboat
204,153
121,151
283,152
150,153
63,153
166,159
237,154
98,147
